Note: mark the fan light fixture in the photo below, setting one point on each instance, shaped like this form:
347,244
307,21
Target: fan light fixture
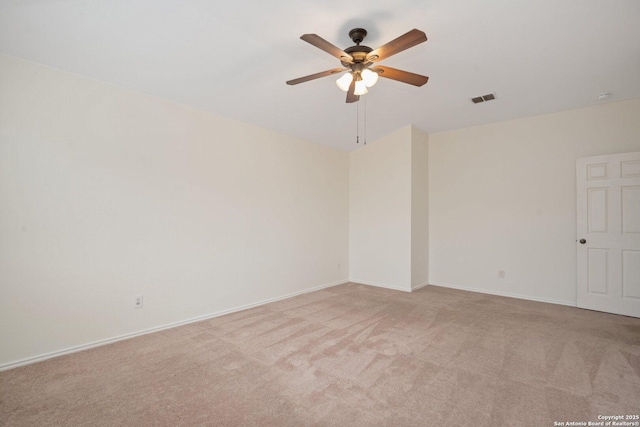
370,77
361,88
345,81
365,79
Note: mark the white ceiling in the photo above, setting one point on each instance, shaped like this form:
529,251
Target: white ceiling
233,57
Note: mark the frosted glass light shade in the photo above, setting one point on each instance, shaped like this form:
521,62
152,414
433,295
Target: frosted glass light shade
345,81
370,77
361,88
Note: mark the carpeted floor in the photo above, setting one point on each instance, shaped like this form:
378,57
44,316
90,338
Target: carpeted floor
351,355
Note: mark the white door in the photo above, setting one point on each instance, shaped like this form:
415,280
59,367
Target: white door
609,233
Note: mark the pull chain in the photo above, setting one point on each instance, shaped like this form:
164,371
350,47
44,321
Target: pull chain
365,120
357,123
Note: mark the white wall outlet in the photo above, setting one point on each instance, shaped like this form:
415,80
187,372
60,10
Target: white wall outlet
338,266
501,274
137,301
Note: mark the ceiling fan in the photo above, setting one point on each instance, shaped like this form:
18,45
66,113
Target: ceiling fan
359,62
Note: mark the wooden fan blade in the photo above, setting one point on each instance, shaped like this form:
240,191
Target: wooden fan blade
316,76
321,43
404,42
351,94
401,76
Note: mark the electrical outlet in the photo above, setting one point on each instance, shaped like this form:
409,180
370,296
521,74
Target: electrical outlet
137,301
501,274
338,266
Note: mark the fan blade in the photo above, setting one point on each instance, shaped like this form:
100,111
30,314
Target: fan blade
401,76
404,42
316,76
321,43
351,94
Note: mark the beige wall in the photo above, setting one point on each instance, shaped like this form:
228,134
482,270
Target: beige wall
107,193
503,196
388,200
380,212
419,208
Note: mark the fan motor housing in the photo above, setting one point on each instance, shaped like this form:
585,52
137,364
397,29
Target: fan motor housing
358,53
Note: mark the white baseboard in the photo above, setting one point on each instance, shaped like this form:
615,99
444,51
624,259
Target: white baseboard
75,349
379,285
503,294
421,285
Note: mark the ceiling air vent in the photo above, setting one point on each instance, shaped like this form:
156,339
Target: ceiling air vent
483,98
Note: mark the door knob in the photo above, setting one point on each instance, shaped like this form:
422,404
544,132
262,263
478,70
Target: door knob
583,241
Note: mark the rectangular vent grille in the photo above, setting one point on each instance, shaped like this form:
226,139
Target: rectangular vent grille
483,98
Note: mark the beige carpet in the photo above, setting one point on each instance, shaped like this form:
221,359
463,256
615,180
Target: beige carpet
351,355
